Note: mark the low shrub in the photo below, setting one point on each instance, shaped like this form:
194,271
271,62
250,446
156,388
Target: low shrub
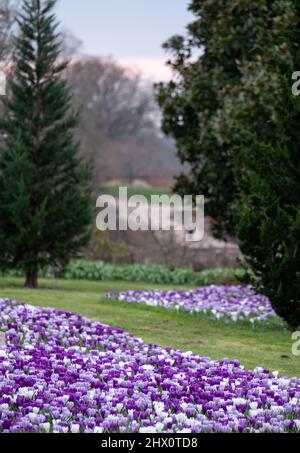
156,275
97,270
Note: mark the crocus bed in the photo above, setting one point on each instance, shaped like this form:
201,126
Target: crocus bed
60,372
235,303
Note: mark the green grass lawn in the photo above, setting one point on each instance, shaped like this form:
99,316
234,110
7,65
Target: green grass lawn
266,346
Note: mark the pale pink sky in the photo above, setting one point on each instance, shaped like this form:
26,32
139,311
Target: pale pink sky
131,31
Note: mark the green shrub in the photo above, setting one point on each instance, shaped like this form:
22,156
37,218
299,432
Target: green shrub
222,276
156,275
97,270
183,276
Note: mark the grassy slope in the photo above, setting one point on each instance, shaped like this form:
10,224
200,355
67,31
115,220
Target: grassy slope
269,347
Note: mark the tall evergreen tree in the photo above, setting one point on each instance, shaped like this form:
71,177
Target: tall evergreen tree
267,174
45,201
268,211
225,77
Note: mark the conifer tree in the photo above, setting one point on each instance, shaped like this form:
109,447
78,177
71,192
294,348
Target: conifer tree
45,200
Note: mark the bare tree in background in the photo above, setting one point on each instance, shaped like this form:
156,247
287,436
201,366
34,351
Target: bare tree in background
119,126
114,99
120,122
8,12
71,45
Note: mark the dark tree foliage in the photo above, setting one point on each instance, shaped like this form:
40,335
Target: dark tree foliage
268,212
236,124
267,175
45,203
219,73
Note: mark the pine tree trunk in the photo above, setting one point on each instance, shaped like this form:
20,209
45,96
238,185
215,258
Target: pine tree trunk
31,278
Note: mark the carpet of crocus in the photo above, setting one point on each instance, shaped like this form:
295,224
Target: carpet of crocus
235,303
60,372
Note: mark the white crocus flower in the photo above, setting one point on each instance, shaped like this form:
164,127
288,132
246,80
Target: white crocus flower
147,430
46,427
159,427
297,423
27,393
253,405
238,401
159,407
75,428
181,418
